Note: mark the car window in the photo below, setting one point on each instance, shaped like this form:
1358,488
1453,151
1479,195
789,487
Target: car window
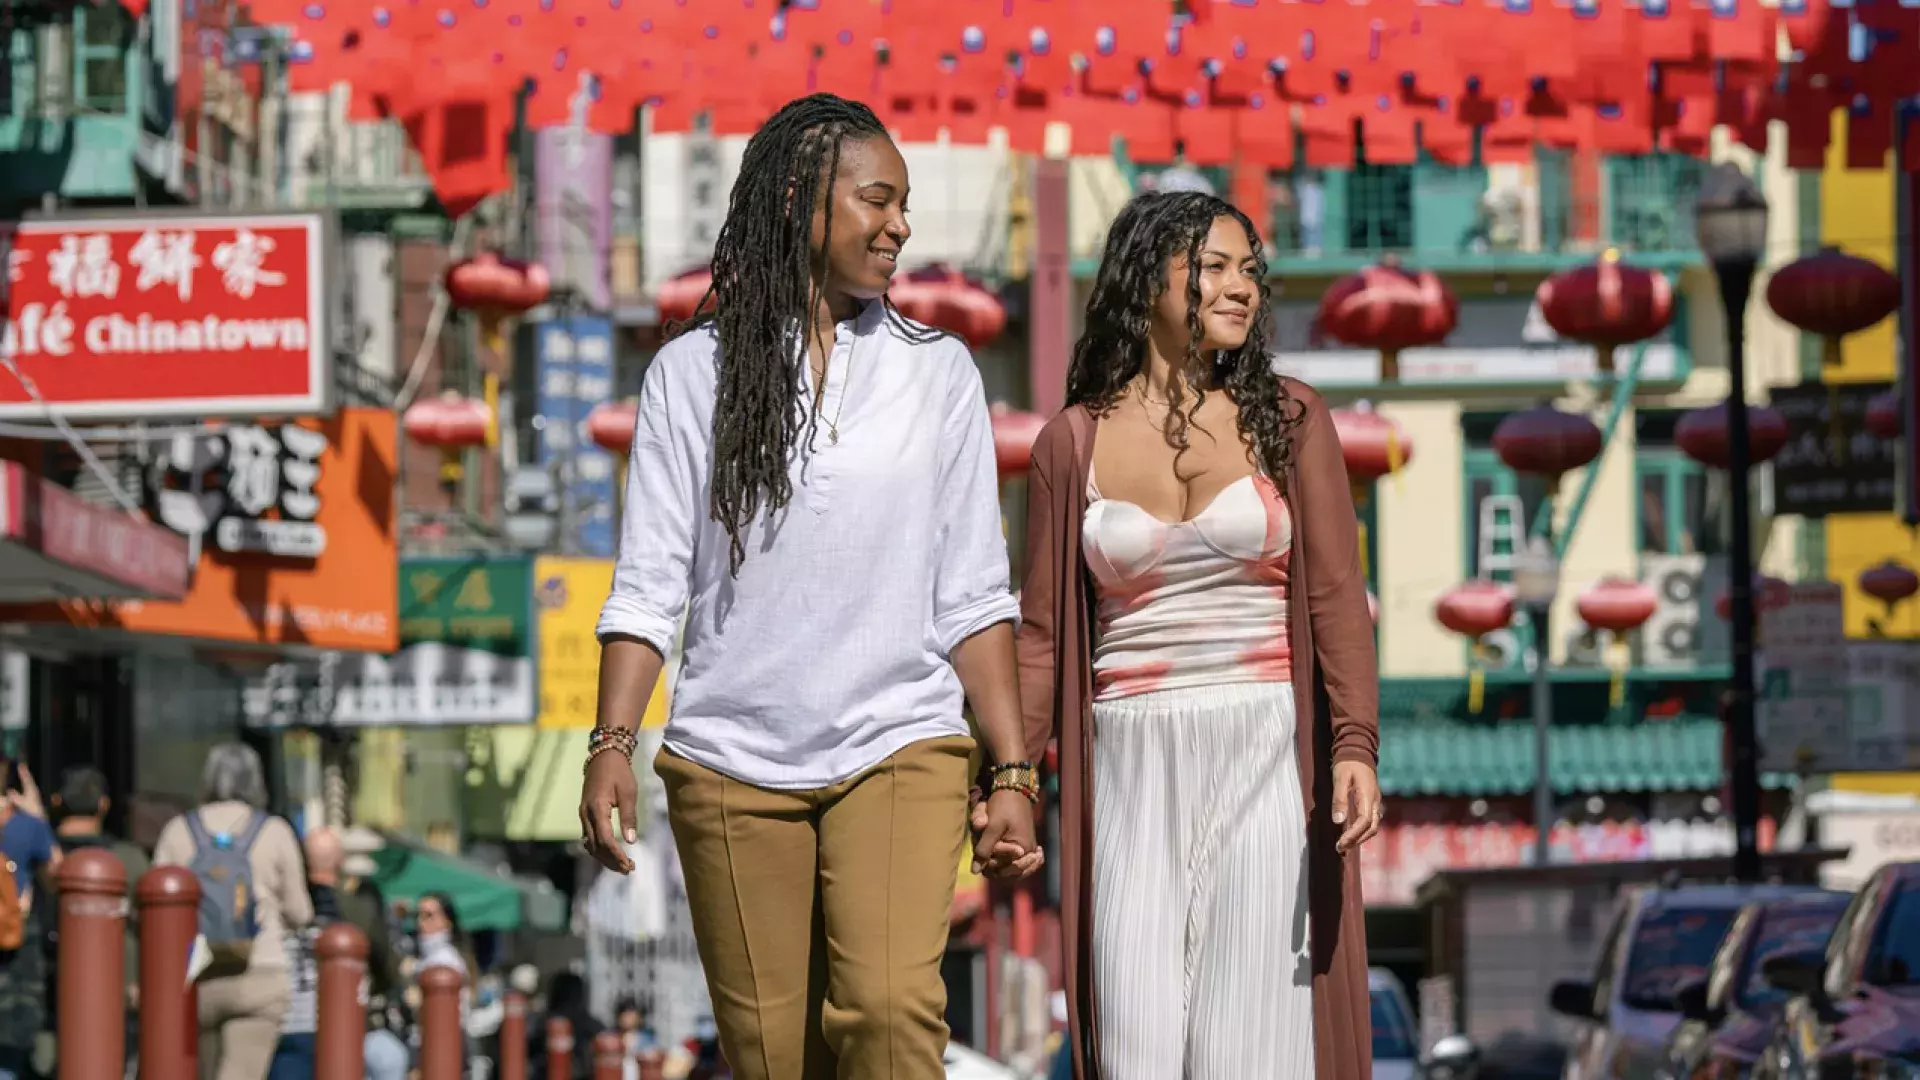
1392,1028
1797,930
1726,960
1672,946
1894,959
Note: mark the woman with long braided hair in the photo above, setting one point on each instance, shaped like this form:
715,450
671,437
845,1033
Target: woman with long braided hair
1195,634
813,488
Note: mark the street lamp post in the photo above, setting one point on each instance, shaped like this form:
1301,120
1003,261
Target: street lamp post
1731,217
1536,581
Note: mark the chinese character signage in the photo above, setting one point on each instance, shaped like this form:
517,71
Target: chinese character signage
1831,463
573,168
475,603
575,367
567,594
294,526
135,317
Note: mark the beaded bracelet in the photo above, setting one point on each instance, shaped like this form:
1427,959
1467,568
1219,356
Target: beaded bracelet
1018,776
603,739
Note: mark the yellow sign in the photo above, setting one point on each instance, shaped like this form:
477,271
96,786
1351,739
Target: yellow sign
568,594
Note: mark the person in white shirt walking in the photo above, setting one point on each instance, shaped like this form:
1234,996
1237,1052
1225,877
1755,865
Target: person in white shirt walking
812,486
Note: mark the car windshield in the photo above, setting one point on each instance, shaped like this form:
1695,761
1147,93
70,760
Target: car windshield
1671,947
1801,930
1392,1028
1895,959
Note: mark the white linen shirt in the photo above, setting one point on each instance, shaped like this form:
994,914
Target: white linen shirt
829,652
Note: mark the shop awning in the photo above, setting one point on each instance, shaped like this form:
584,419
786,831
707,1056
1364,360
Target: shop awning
1458,758
55,545
483,900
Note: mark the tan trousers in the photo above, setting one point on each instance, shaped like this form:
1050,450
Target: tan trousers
822,915
240,1023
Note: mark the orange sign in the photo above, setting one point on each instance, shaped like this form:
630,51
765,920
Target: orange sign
296,524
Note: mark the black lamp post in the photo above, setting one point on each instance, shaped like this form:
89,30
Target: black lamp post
1731,217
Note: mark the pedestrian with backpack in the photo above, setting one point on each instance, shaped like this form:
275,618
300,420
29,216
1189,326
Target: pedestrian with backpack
253,890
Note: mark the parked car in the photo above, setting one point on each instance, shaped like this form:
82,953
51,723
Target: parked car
1396,1038
1661,939
1729,1015
1853,1008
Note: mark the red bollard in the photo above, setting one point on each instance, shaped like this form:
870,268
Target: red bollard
559,1049
653,1065
513,1037
340,1049
442,1043
609,1056
169,1019
93,966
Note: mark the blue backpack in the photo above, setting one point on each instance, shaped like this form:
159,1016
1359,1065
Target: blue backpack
223,863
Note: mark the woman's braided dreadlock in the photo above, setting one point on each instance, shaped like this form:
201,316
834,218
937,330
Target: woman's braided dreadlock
767,285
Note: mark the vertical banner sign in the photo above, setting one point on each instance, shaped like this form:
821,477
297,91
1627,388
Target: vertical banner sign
575,357
1906,148
573,174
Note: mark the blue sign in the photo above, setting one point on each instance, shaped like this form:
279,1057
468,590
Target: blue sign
575,357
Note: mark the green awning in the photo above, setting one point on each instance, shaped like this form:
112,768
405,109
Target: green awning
483,900
1464,758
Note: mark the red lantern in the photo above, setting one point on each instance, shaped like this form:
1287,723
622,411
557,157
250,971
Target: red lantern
610,425
1702,434
1833,294
1883,416
1890,582
1606,304
1388,308
1013,435
497,287
685,296
449,422
1373,445
945,298
1617,605
1546,442
1475,608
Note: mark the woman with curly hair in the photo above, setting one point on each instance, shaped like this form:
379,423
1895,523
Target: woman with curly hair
812,484
1195,634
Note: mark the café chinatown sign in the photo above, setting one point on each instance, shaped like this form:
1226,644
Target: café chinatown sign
124,318
1235,81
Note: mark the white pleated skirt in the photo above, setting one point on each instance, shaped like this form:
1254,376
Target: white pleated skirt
1200,955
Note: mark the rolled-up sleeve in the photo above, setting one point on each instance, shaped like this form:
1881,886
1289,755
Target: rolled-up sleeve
972,585
651,576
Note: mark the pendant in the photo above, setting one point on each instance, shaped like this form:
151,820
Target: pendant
833,435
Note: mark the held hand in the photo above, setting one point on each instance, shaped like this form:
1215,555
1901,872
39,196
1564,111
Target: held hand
27,800
609,786
1356,804
1005,845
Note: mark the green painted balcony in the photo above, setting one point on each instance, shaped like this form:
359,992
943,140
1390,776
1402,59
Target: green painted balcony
77,134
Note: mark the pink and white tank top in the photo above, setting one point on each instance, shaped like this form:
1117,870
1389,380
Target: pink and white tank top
1193,603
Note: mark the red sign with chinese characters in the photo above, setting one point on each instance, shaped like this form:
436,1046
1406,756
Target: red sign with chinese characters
122,318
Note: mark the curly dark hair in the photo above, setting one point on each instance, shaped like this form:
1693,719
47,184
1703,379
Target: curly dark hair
1149,231
767,282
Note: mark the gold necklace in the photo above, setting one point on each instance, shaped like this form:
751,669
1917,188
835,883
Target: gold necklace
820,395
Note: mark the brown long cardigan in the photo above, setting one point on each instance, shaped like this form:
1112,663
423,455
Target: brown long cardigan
1338,710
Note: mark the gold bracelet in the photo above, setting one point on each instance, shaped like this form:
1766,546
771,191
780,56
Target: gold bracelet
1005,783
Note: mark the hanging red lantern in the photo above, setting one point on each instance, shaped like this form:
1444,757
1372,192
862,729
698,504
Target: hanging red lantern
1543,441
1389,308
1014,432
949,300
1703,435
1890,582
1373,445
450,424
610,425
1475,608
1833,294
497,287
1883,415
684,296
1617,605
1606,304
